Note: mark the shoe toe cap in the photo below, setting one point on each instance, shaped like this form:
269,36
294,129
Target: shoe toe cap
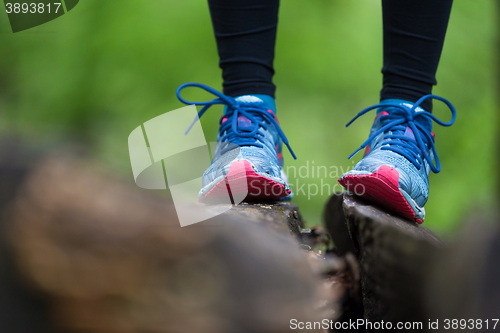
411,180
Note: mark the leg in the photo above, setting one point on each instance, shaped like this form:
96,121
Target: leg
245,31
400,150
414,32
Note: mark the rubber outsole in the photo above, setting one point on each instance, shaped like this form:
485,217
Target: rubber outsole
242,181
382,187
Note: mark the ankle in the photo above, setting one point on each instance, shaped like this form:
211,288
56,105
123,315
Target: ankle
268,100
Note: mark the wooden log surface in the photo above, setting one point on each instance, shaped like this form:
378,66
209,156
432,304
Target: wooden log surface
82,251
393,255
281,216
94,254
408,274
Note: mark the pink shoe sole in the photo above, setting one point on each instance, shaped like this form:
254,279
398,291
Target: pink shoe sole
241,180
382,187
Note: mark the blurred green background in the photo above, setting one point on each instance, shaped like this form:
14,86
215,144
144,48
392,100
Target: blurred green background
101,70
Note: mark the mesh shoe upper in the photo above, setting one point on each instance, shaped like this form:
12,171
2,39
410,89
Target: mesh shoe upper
248,131
401,138
264,158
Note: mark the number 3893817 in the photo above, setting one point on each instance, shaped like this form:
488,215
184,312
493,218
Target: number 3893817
32,8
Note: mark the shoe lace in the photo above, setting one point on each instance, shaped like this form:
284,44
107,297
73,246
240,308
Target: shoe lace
397,121
247,135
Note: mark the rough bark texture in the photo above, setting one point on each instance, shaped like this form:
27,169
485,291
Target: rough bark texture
110,259
87,253
393,254
408,274
334,219
282,217
83,252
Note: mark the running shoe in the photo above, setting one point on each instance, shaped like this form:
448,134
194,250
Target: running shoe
399,155
249,147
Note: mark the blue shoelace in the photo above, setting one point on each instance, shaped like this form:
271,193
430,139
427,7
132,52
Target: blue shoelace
399,118
235,134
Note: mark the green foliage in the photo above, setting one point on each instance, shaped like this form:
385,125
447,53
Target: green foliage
99,71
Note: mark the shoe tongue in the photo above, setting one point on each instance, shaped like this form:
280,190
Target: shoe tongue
251,101
409,133
243,121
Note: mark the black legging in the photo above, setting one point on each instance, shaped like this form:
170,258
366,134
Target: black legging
414,32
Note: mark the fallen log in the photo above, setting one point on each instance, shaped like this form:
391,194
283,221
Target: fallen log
408,274
393,256
103,256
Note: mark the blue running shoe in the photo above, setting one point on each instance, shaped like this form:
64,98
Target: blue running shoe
249,147
399,154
